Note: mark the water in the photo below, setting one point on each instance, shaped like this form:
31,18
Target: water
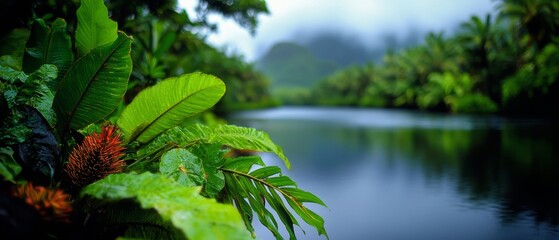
391,174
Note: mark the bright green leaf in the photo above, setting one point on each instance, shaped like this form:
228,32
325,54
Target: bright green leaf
247,139
167,104
95,28
197,217
183,167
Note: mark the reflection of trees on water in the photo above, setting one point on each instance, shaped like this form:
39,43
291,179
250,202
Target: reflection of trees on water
514,168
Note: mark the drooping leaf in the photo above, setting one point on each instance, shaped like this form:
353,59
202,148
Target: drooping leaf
38,154
251,190
197,217
8,166
48,46
95,28
94,85
241,138
167,104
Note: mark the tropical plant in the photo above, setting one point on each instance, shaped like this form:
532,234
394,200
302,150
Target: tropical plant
83,169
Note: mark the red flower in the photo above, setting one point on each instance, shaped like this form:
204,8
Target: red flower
96,157
52,204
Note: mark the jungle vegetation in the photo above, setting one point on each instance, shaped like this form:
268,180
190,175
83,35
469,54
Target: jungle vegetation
504,64
105,132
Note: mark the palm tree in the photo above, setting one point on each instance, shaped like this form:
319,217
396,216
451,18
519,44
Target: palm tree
536,18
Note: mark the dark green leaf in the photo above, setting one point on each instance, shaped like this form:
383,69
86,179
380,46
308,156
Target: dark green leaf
38,154
48,46
9,168
94,85
12,46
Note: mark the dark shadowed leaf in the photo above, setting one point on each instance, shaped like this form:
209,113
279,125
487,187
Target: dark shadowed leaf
38,154
48,45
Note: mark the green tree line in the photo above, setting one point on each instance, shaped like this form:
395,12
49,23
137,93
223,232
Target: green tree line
494,64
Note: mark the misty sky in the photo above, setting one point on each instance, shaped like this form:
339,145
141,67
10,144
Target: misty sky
367,20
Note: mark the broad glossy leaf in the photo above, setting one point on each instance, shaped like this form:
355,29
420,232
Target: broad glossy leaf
48,45
94,85
167,104
95,28
183,167
197,217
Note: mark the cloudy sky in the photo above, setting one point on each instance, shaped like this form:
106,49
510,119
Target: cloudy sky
366,20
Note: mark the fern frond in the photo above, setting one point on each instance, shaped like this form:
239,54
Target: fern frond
250,190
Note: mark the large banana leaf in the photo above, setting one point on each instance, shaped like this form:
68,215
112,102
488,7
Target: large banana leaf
94,85
48,46
95,28
197,217
167,104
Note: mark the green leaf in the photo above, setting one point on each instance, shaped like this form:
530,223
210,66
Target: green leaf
139,223
211,157
167,104
95,28
94,85
229,135
261,185
183,167
197,217
247,139
49,46
9,168
12,46
244,163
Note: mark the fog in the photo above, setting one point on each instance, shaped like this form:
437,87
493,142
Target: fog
374,23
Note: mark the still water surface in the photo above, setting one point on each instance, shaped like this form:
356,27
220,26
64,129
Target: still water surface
392,174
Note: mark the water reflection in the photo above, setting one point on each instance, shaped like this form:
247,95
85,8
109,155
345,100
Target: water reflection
408,175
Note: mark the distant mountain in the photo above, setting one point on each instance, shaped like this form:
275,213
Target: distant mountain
292,65
309,60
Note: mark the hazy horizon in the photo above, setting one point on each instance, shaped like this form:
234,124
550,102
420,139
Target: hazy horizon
373,23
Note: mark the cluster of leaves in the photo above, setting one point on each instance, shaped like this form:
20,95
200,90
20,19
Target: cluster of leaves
183,179
505,64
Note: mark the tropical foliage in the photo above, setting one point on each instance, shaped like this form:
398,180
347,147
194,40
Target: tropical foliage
504,64
77,161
